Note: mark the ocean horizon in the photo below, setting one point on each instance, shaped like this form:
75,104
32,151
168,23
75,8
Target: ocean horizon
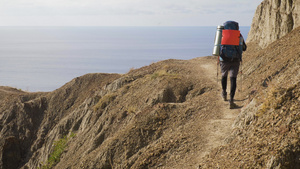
45,58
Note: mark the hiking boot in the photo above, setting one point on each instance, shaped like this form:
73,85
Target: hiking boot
224,96
232,105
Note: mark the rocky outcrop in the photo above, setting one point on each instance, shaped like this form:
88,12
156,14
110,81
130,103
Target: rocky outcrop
272,20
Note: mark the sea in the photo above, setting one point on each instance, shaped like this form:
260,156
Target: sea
45,58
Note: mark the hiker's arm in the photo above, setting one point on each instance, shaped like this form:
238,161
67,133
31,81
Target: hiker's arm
244,46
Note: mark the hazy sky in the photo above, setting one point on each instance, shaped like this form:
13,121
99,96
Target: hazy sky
125,12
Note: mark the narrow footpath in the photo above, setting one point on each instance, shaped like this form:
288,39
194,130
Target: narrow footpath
212,124
219,128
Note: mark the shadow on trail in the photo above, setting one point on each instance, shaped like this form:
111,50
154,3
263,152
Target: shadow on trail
237,107
240,100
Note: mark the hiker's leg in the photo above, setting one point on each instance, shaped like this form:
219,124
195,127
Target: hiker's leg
232,88
234,70
224,85
225,67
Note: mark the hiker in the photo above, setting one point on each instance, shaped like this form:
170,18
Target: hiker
232,46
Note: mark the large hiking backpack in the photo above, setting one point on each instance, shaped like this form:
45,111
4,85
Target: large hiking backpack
232,42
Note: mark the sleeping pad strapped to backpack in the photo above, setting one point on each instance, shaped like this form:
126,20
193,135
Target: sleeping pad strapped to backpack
232,42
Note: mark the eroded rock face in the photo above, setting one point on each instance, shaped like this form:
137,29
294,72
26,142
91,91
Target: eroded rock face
274,19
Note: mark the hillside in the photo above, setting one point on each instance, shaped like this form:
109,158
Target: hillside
157,116
266,133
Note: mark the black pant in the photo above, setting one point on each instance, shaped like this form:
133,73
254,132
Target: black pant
232,86
231,68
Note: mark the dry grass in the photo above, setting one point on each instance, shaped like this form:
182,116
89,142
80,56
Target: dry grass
105,101
164,73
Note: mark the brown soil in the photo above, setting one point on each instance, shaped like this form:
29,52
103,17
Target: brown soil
187,123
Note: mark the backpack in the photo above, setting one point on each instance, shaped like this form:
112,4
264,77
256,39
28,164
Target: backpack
232,42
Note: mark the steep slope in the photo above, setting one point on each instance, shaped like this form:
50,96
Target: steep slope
27,118
272,20
267,132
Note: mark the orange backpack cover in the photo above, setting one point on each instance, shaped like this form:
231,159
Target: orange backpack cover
230,37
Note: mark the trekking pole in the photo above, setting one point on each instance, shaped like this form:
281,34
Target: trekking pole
242,76
218,69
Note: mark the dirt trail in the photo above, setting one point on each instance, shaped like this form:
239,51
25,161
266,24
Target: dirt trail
219,128
205,135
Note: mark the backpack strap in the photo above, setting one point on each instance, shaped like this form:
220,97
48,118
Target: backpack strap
240,55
